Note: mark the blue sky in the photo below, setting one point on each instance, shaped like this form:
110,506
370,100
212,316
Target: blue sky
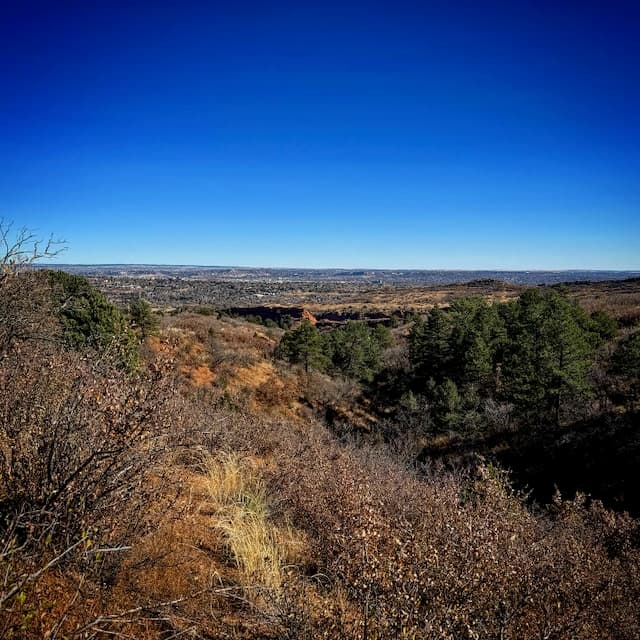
498,135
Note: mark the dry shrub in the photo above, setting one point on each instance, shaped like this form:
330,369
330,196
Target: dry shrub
234,336
277,393
454,556
78,438
621,304
176,570
26,314
215,355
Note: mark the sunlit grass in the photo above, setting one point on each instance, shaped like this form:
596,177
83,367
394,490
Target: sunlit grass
260,548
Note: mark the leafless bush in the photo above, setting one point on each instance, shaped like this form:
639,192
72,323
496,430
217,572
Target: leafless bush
457,557
323,392
26,314
499,415
78,438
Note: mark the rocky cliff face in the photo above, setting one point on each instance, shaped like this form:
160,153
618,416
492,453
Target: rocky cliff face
307,315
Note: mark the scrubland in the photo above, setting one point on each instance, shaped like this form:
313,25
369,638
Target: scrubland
199,476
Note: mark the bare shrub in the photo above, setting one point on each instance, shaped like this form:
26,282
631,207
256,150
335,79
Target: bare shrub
26,313
77,440
457,557
20,247
498,415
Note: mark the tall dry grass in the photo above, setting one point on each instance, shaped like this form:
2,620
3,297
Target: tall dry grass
260,547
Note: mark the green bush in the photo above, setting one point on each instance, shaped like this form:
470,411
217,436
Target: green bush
303,345
90,320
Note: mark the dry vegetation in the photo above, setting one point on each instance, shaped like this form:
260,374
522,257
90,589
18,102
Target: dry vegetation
619,299
202,496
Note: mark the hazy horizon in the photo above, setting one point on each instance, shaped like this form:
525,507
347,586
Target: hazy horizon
325,268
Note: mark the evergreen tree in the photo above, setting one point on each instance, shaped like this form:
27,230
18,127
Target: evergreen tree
626,362
603,326
548,353
90,320
356,349
627,356
477,336
304,345
430,348
446,406
142,317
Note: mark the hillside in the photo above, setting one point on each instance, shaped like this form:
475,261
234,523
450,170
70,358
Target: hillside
194,474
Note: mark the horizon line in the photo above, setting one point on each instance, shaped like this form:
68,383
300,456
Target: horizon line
358,268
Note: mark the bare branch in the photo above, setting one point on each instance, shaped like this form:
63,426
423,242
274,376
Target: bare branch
22,247
34,576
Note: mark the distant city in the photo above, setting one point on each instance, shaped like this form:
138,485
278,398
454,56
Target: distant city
409,277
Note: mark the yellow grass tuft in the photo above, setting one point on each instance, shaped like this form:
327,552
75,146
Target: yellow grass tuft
260,548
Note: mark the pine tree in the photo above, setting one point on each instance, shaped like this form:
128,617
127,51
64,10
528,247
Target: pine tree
429,347
477,336
548,353
90,320
142,317
356,349
626,362
446,406
304,345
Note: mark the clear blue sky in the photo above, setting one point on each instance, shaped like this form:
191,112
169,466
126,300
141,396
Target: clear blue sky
394,134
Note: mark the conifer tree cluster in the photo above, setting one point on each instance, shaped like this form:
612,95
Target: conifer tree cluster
535,352
354,350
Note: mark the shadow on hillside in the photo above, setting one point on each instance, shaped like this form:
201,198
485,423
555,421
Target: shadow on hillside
599,457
